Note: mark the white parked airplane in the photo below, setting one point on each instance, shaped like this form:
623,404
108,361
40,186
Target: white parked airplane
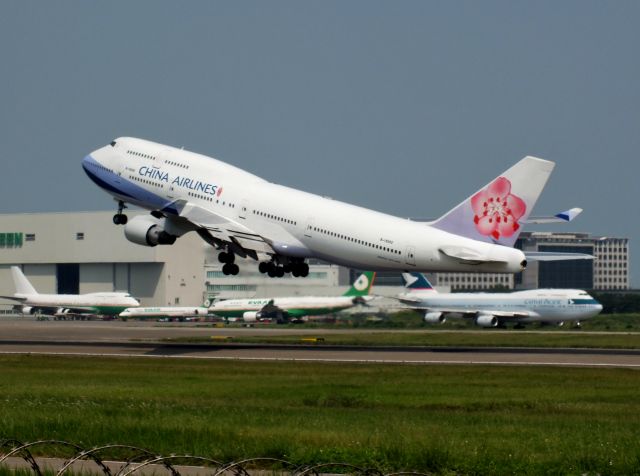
493,309
101,303
155,312
244,215
281,309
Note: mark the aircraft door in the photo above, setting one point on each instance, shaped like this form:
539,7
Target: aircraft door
243,210
308,231
410,257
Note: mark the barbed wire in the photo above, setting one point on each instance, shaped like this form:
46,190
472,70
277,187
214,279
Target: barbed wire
139,458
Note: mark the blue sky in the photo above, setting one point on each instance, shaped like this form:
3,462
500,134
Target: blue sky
406,107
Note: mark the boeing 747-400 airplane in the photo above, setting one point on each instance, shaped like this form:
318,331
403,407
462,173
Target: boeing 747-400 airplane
492,309
245,216
101,303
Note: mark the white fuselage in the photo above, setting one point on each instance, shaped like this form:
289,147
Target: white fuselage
99,303
152,312
295,306
298,224
541,305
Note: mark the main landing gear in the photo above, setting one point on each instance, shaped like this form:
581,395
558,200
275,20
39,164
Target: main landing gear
274,270
120,218
229,267
297,267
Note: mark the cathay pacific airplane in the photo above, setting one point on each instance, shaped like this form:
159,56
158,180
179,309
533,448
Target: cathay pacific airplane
492,309
281,309
243,215
101,303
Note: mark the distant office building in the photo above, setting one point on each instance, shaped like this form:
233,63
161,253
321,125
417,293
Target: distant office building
475,281
83,252
608,271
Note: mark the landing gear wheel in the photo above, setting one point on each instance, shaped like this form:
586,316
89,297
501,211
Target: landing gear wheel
120,219
263,267
226,257
279,272
230,268
304,270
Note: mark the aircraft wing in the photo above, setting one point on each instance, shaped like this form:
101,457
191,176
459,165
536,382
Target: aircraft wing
222,228
217,229
466,312
554,256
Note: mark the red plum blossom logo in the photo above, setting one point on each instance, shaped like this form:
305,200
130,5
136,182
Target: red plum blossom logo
496,210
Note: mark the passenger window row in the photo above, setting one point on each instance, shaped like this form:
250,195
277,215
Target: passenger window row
140,154
170,162
355,240
210,199
275,217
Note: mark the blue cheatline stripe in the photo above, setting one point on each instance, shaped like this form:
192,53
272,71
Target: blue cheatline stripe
121,186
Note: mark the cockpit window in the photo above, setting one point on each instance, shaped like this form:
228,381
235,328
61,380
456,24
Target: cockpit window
113,143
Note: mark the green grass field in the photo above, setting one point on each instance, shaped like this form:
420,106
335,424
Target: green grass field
479,420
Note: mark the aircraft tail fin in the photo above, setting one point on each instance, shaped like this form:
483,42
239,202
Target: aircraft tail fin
22,284
495,213
417,282
362,285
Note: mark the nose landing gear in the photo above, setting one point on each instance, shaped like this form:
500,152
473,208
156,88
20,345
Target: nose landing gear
120,218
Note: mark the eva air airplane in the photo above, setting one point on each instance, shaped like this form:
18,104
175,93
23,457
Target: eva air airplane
281,309
101,303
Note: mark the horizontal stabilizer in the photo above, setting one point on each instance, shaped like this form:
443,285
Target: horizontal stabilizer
467,255
552,256
561,217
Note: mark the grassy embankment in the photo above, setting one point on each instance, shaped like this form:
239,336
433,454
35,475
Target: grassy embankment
446,419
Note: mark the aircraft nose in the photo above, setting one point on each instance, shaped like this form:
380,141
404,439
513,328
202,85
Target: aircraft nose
85,162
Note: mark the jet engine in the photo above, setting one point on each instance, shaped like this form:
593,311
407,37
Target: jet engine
251,316
434,318
486,320
147,230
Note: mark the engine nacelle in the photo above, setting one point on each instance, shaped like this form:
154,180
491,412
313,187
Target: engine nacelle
251,316
434,318
486,320
200,311
146,230
25,309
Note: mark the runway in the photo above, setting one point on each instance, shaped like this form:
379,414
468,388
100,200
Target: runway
143,340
